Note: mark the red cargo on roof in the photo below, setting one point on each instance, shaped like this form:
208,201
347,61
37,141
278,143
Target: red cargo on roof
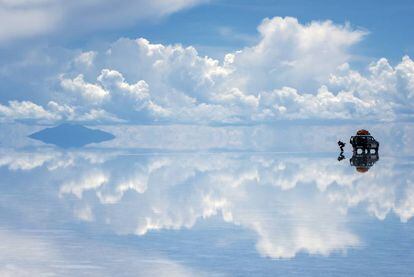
363,132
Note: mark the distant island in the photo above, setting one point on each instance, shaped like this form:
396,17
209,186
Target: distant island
71,135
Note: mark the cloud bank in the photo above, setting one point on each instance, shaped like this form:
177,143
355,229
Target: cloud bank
295,71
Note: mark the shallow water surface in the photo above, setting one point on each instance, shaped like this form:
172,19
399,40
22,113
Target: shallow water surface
223,210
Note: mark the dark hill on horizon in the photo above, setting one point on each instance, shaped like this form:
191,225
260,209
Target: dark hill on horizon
71,135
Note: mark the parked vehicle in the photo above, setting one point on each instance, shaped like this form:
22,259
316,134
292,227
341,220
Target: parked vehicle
364,142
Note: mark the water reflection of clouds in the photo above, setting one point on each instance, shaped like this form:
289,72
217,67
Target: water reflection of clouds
274,197
34,234
293,204
49,158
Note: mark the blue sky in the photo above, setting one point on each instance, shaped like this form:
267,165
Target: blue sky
267,61
387,21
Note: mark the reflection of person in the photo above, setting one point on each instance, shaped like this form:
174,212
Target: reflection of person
341,145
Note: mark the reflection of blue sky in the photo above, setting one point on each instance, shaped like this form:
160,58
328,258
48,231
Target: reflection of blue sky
270,205
61,253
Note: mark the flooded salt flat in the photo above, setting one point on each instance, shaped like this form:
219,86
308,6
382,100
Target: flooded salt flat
223,210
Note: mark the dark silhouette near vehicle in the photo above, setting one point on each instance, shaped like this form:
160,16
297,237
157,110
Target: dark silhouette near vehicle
363,161
341,154
341,145
71,135
364,142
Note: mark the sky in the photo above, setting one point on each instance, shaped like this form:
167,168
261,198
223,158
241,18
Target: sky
205,62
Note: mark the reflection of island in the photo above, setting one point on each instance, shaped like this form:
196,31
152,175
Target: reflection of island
71,135
363,161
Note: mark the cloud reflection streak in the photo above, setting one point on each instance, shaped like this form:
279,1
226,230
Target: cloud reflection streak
293,204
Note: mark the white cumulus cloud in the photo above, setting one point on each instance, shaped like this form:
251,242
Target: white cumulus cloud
295,71
25,110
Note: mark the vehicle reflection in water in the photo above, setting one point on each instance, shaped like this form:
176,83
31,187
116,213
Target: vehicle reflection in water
363,161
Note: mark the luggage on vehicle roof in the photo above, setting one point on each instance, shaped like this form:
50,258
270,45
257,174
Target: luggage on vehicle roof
363,132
